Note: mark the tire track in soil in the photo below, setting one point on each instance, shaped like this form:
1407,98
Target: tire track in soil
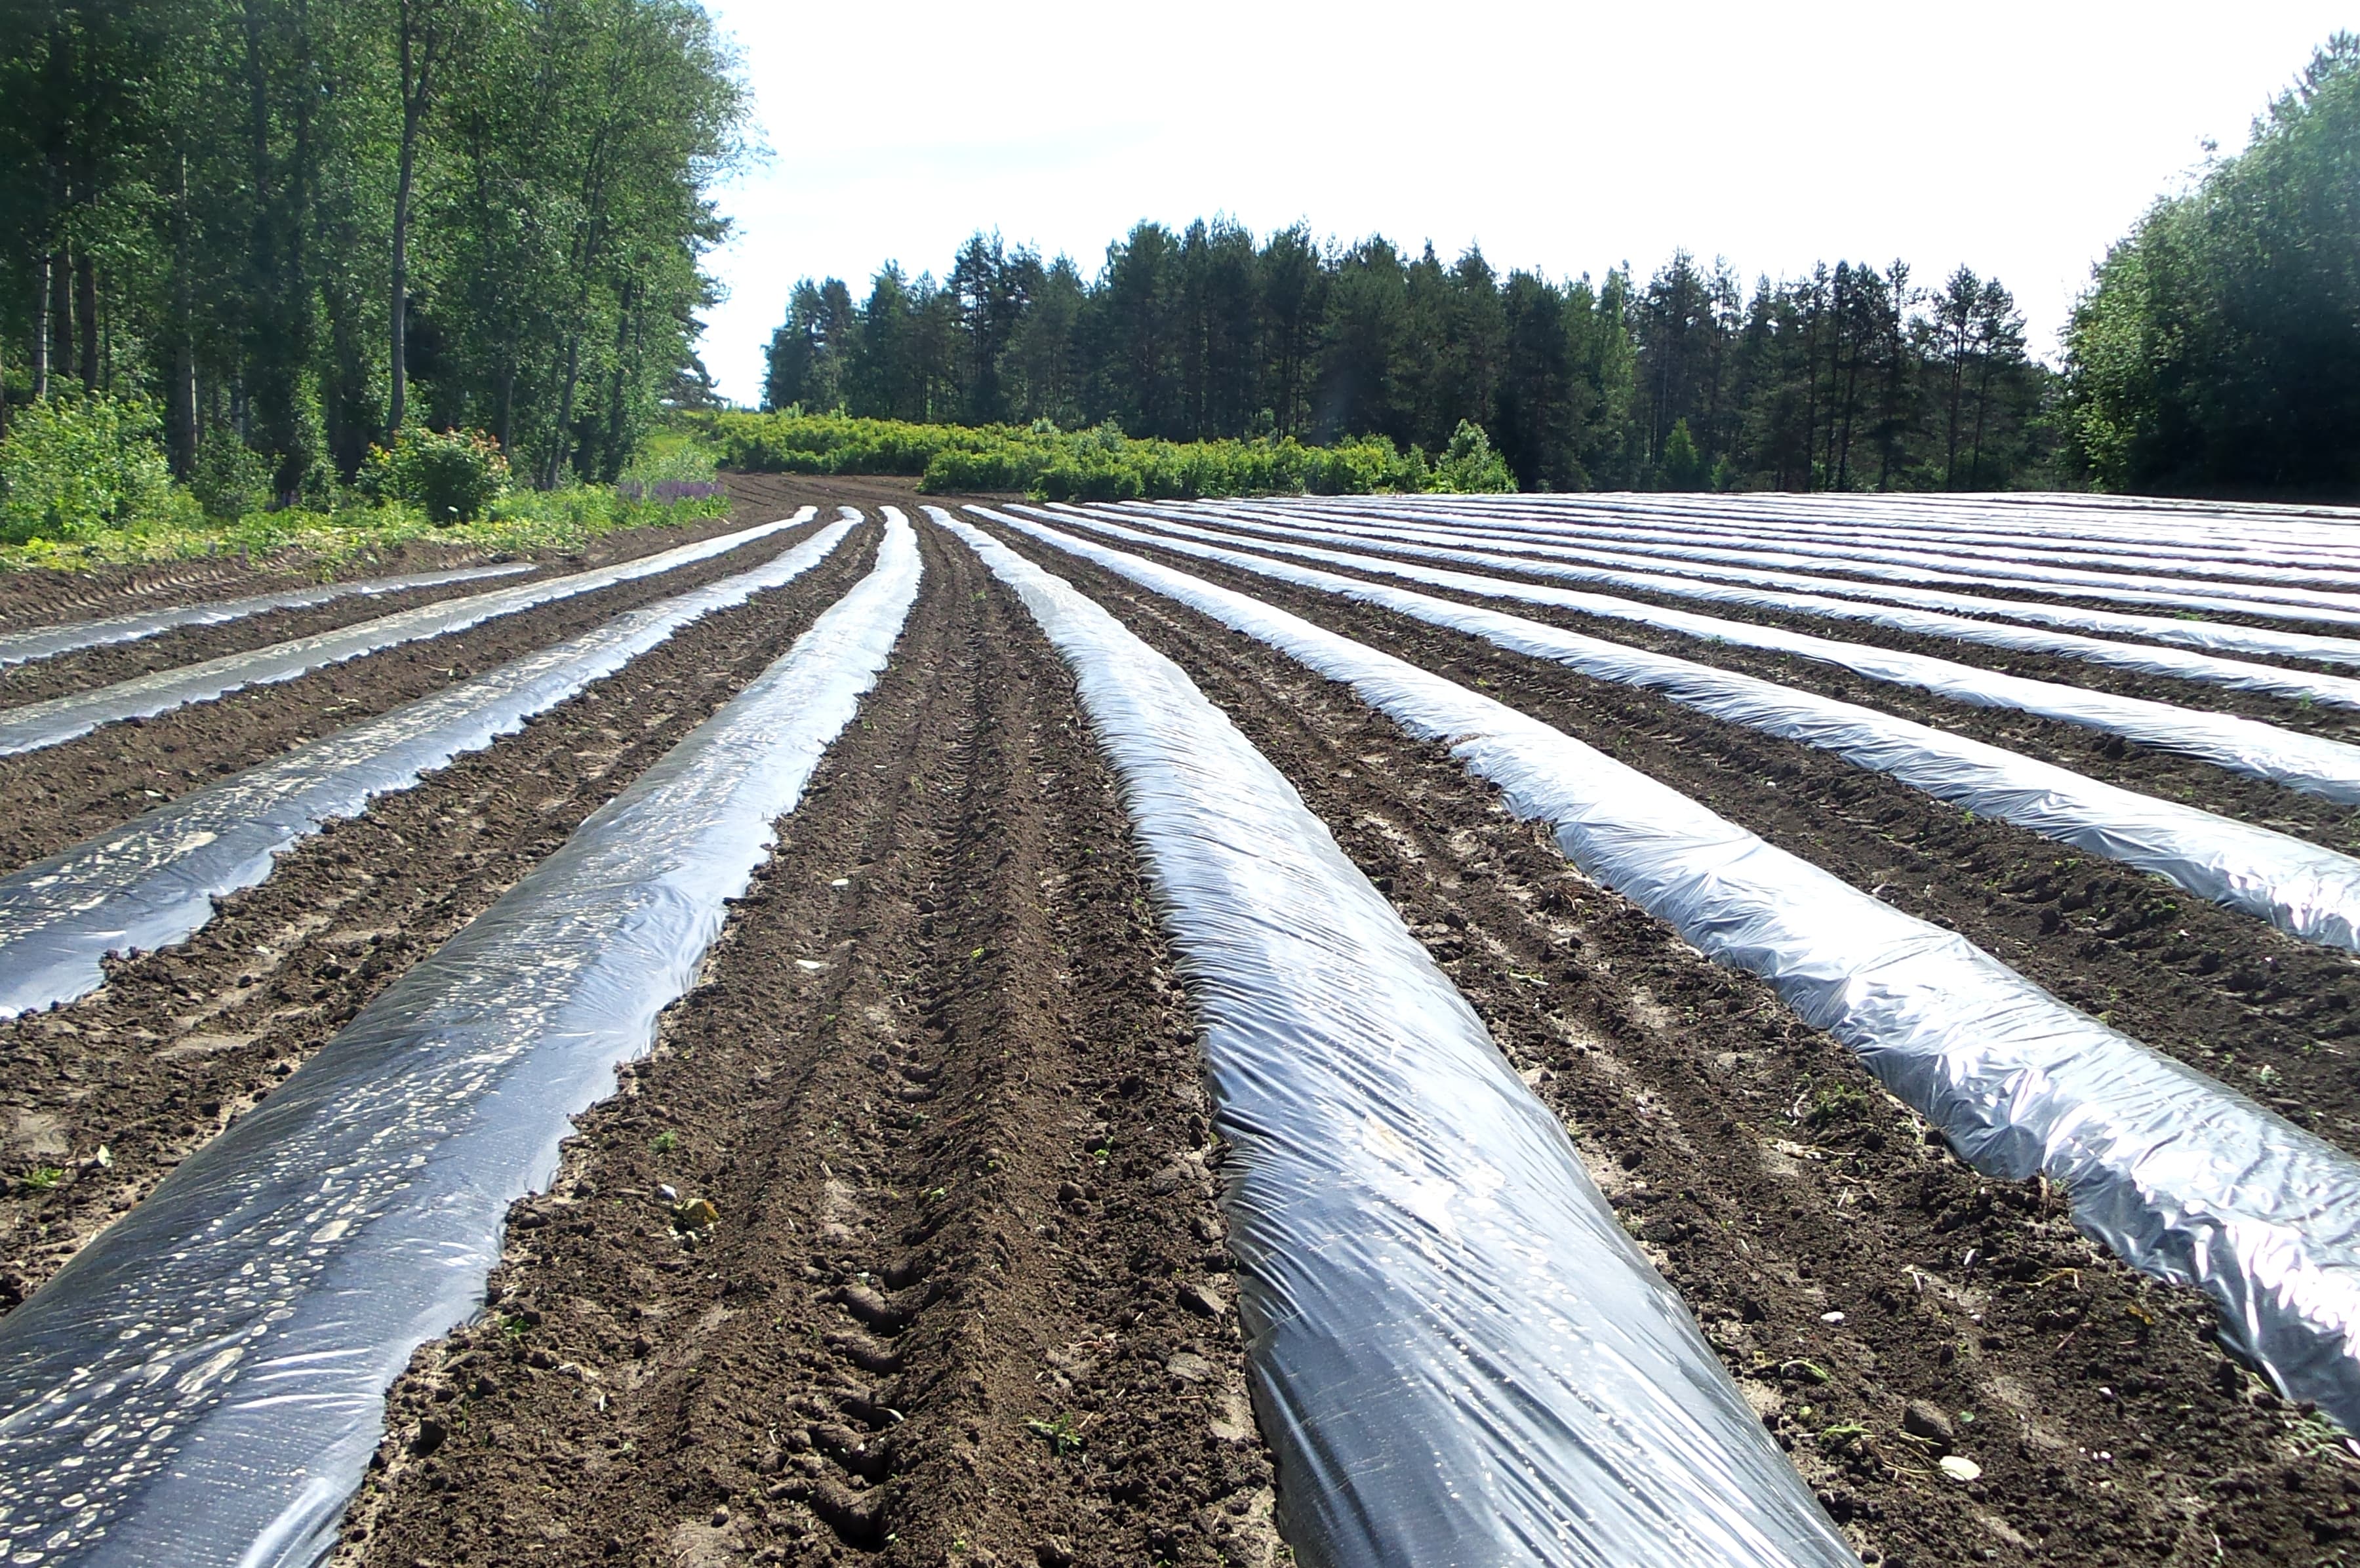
2275,1018
179,1042
63,794
965,1300
1774,1182
2149,769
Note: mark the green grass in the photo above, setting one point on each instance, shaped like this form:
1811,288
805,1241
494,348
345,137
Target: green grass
326,541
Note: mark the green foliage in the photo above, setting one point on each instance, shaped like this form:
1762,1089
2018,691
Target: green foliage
1683,466
1850,378
452,475
73,467
215,201
2217,349
1098,464
231,478
1468,466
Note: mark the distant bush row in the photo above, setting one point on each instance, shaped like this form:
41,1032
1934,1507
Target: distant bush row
1097,465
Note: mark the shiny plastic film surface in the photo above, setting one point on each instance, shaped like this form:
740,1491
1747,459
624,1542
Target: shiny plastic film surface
2178,1175
152,882
1849,550
2300,887
60,720
1928,613
204,1384
2190,594
1457,1355
27,644
2311,763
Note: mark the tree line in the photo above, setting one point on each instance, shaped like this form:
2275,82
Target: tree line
299,224
2218,350
1850,377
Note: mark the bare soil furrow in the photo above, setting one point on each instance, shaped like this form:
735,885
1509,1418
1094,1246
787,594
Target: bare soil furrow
959,1295
2275,1018
41,597
1880,1303
179,1042
63,794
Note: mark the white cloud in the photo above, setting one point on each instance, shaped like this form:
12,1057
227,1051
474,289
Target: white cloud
2019,138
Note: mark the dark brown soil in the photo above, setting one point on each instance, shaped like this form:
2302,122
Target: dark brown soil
938,1082
63,794
178,1043
940,1085
42,597
2146,769
2275,1017
1774,1180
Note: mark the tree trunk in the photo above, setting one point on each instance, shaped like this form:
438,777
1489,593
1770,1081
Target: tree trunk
398,364
41,329
86,308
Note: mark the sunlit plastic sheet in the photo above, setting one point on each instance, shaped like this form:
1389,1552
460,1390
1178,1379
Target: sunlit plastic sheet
46,642
1864,556
2192,598
2179,1176
2049,521
1425,544
2303,888
1649,572
202,1386
1903,527
1457,1356
152,882
52,723
2311,763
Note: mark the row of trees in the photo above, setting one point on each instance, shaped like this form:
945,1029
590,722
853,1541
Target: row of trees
1849,378
2219,350
304,223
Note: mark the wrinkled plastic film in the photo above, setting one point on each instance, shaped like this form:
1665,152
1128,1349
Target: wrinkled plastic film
152,882
1808,595
60,720
2178,1175
202,1386
33,642
1869,561
2069,563
2311,763
2303,888
2325,559
1457,1355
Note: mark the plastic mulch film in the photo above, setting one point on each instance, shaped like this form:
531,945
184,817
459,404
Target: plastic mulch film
2311,763
60,720
1894,528
151,881
2179,1176
2225,539
1457,1355
2300,888
46,642
204,1384
2191,597
1805,594
1867,559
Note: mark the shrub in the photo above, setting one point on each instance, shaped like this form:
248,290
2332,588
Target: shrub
232,479
1468,466
452,475
75,465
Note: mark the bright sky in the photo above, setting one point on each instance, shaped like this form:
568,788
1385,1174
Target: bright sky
2019,136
